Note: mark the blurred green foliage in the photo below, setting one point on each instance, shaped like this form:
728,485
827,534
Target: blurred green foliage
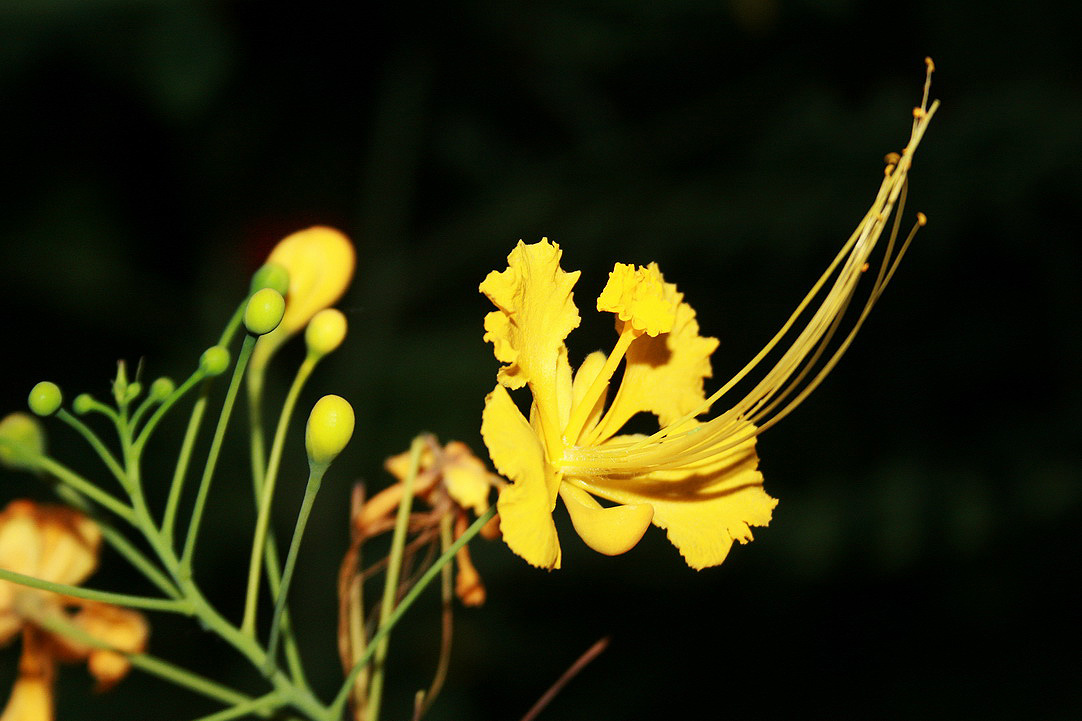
921,558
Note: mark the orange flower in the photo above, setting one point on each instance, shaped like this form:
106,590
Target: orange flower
450,479
60,545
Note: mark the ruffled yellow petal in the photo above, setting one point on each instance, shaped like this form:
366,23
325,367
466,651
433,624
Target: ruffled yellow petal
525,505
638,296
703,510
535,313
320,262
611,531
662,375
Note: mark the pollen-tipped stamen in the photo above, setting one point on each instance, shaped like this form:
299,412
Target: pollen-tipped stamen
669,448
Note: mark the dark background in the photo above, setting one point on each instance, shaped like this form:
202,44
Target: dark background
923,556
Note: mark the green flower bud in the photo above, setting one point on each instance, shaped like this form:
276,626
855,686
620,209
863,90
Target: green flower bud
22,440
45,398
132,391
330,426
325,332
162,388
214,361
264,312
271,275
120,383
83,404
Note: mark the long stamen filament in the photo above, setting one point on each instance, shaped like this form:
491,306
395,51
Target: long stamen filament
669,448
582,409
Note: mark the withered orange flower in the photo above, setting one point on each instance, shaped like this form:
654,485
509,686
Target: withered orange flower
60,545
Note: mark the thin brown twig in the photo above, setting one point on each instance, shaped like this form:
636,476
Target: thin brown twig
428,535
591,653
424,700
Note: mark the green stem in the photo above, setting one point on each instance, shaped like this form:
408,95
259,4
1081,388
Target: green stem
183,677
74,480
138,560
257,445
162,409
390,586
338,705
173,502
142,410
233,324
299,696
117,540
212,456
176,675
106,456
99,407
119,599
315,479
257,705
266,499
256,442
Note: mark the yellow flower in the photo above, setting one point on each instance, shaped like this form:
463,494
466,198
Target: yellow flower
697,479
320,262
60,545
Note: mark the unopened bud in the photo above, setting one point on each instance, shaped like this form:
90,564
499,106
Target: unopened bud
325,332
330,426
162,388
22,440
45,398
83,404
214,361
264,312
271,275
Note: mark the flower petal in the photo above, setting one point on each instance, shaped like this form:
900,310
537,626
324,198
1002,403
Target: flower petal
121,628
704,510
53,543
535,313
611,531
663,375
584,378
320,262
526,505
71,545
467,479
32,697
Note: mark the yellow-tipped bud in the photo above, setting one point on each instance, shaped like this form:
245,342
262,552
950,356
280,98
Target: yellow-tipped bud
22,440
325,332
264,312
330,426
320,263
